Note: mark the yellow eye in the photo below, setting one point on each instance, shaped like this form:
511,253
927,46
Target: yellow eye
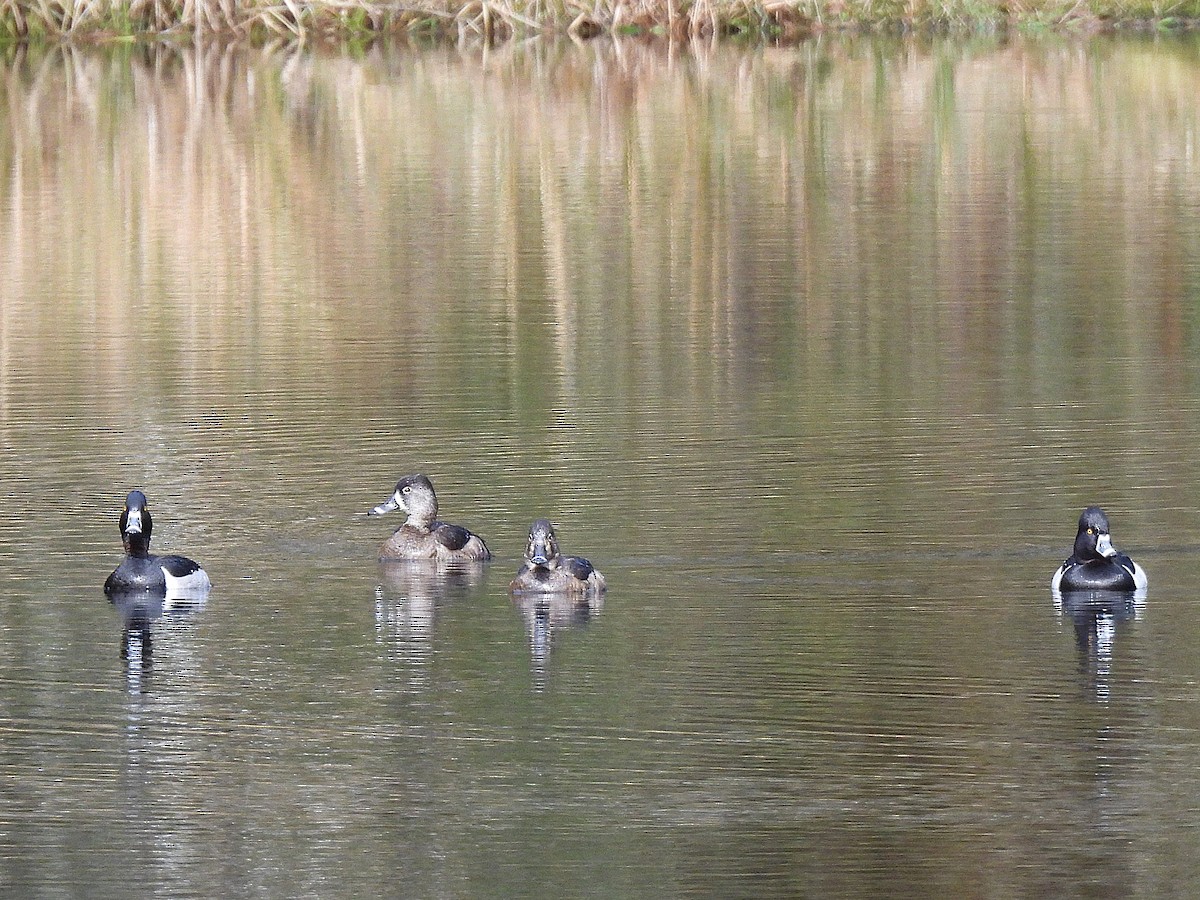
1091,531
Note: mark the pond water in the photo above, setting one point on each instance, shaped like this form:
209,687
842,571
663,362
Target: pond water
816,352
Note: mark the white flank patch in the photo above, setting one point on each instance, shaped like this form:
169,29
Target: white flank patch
193,586
1139,578
1056,581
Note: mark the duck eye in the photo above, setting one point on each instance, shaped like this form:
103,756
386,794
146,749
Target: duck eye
1091,531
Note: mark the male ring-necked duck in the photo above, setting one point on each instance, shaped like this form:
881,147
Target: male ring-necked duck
546,571
1096,565
422,536
140,570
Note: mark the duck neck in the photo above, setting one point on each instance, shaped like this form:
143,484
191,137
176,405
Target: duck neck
419,522
136,545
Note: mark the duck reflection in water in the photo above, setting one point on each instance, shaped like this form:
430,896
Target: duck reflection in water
1098,617
546,616
1099,588
146,586
553,591
139,610
407,600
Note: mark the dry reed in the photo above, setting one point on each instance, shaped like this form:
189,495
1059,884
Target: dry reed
495,20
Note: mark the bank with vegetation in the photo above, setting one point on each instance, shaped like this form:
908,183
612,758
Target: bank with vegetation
494,20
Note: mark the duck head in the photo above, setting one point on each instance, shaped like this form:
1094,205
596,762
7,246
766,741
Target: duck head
1093,541
414,494
542,549
136,525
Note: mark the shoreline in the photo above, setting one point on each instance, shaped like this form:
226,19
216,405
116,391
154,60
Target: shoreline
485,21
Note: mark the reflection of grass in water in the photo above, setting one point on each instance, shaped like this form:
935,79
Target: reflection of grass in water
858,174
494,20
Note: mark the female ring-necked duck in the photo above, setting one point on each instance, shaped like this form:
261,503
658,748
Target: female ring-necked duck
140,570
546,571
422,536
1096,565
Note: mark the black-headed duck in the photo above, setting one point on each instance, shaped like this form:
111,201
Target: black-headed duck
172,576
1096,565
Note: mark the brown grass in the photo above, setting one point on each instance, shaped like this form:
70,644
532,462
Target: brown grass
497,20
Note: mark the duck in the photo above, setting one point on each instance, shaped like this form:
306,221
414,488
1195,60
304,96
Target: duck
143,572
422,536
1096,565
546,571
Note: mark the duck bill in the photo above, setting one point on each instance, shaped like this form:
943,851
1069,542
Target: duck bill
392,502
1104,546
133,522
136,536
539,552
